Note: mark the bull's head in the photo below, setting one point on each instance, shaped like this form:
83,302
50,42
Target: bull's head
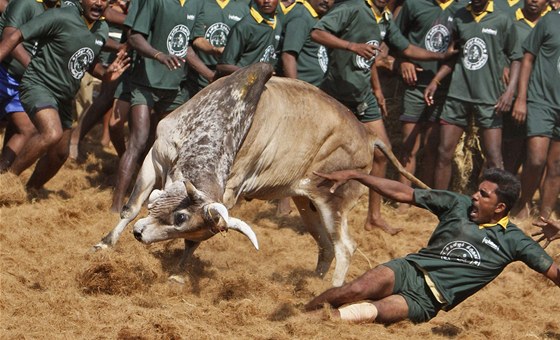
182,211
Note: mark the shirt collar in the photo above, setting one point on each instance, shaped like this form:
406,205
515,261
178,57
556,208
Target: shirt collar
512,3
287,9
222,3
502,222
182,2
443,5
45,6
520,16
378,15
260,18
489,9
310,9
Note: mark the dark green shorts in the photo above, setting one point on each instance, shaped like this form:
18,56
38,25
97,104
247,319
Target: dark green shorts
415,109
122,92
456,112
411,285
160,100
542,120
36,97
366,111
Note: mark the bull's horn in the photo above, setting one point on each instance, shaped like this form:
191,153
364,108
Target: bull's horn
217,208
242,227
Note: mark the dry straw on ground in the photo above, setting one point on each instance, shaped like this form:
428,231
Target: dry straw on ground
53,287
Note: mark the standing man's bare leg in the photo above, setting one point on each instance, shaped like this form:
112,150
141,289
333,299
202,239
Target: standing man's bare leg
374,218
449,138
48,165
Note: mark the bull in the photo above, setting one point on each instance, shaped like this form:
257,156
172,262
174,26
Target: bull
254,137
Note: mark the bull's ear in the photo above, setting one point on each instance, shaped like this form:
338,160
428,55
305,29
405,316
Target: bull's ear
153,196
194,194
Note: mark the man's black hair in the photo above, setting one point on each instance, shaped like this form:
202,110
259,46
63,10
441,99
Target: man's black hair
509,186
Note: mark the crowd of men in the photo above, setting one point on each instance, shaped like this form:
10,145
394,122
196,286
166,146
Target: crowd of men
492,62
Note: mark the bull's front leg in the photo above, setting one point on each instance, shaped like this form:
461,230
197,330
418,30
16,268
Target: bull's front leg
142,187
190,247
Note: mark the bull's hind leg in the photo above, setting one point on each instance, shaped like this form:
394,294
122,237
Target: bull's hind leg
142,188
314,225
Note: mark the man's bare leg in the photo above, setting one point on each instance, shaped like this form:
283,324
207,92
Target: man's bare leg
48,165
374,218
449,138
139,124
20,129
537,150
116,125
49,133
492,147
551,187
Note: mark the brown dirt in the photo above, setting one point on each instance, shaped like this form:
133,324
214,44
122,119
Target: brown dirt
52,286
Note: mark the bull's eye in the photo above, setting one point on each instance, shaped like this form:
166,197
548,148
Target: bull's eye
180,218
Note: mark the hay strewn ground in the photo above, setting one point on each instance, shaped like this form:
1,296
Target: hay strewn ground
52,286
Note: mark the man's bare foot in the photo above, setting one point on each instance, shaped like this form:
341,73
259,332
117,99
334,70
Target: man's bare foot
372,223
521,213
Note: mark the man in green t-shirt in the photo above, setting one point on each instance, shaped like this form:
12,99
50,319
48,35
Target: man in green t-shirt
471,245
483,36
513,141
255,38
20,128
69,41
538,102
427,24
302,58
161,34
352,77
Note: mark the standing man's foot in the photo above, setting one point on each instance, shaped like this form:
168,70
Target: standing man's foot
372,223
520,213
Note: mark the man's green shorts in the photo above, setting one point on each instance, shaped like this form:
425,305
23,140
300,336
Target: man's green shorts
160,100
366,111
122,92
542,120
456,112
415,109
411,285
36,97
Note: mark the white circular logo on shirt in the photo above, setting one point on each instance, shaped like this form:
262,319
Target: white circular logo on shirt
268,55
475,54
437,39
461,251
323,58
80,61
178,40
366,64
217,34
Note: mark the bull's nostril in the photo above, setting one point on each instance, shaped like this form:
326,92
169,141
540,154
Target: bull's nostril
137,235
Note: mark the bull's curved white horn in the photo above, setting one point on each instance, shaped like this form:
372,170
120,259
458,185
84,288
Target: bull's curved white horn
217,208
242,227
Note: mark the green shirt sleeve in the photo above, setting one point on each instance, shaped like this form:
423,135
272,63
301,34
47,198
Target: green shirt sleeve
43,25
17,14
440,202
234,47
394,37
512,46
297,30
147,12
336,20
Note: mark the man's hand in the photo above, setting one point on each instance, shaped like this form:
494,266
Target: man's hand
429,93
550,230
172,62
380,97
366,51
408,72
504,102
338,177
519,113
118,66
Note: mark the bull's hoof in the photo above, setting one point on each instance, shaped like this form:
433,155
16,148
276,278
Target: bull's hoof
99,246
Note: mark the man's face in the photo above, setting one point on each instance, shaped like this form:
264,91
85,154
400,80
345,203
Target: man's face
266,6
381,4
485,203
535,7
321,6
479,5
93,9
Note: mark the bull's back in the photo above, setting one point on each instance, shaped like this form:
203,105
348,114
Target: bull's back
297,129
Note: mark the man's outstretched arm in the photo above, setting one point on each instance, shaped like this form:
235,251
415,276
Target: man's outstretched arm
385,187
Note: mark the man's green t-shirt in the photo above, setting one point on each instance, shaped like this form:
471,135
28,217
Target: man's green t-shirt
16,14
348,75
478,71
461,257
169,26
544,43
252,40
312,58
508,7
67,49
219,18
428,24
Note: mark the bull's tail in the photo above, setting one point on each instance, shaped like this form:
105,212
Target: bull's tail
391,156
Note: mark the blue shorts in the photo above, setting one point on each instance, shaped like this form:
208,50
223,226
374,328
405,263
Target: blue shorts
9,93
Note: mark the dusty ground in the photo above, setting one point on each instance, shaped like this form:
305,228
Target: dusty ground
52,286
